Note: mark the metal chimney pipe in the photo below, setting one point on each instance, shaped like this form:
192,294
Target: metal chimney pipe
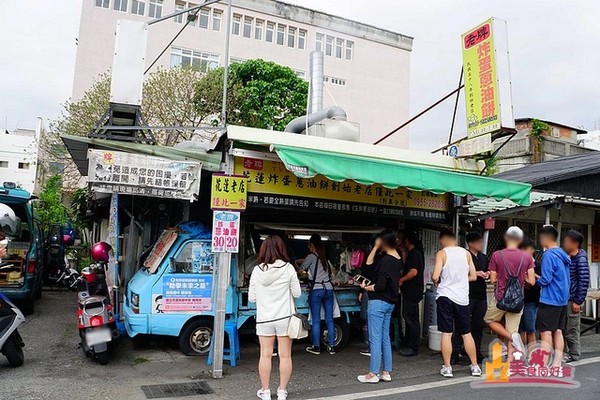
316,81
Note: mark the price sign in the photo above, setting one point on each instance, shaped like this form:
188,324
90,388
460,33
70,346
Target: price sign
226,232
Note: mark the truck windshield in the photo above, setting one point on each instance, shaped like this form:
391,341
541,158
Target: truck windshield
160,250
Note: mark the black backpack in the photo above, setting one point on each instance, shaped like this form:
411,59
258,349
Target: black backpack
513,299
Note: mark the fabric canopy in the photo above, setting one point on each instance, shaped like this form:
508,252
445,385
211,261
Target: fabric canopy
306,163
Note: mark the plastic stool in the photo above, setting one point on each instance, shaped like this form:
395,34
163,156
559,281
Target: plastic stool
396,338
231,353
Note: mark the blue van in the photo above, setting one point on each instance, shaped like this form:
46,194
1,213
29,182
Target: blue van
172,294
21,268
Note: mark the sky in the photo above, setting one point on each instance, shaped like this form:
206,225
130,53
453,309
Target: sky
553,46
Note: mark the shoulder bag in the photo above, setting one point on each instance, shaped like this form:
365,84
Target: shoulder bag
298,325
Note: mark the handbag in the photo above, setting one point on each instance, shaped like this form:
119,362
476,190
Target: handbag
298,325
513,299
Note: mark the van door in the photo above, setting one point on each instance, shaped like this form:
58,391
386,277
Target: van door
184,289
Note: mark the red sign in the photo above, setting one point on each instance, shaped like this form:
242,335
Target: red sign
477,36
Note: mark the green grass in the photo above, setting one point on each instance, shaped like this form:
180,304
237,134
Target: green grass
140,360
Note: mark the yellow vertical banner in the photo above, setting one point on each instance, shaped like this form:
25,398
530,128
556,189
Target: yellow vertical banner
482,96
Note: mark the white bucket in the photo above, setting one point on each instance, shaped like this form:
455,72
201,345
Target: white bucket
435,338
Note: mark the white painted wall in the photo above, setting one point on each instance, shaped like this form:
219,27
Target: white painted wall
19,147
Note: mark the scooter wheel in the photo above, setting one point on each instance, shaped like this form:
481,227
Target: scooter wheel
13,351
102,358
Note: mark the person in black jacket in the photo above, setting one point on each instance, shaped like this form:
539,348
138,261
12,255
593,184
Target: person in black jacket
580,280
412,286
383,295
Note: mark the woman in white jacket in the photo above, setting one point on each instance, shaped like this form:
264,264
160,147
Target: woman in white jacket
273,285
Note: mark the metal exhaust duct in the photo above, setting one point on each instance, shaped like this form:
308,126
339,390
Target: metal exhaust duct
316,81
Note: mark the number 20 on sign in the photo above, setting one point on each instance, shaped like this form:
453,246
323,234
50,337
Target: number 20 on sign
226,232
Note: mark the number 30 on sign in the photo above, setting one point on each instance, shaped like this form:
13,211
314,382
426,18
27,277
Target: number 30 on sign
226,232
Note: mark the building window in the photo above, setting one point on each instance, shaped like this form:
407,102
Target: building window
319,42
3,164
555,132
102,3
178,7
155,8
23,165
291,42
349,50
334,81
300,74
329,45
237,21
198,60
280,34
247,27
258,29
204,18
120,5
217,17
301,39
138,7
236,60
339,48
269,32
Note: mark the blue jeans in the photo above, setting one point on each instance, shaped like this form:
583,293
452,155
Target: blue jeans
380,316
323,297
528,318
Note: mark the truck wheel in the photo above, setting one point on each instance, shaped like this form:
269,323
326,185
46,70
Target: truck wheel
102,357
342,333
196,337
13,351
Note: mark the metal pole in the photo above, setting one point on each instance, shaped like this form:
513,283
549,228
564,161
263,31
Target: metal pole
419,114
462,71
547,221
559,224
176,13
223,276
486,239
226,65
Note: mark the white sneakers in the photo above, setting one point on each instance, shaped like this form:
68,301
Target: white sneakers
446,372
385,377
475,370
364,379
518,343
266,394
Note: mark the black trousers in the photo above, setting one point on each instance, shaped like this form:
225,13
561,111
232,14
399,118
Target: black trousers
477,308
410,314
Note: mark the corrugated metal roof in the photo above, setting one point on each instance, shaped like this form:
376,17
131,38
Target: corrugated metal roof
556,170
78,147
488,206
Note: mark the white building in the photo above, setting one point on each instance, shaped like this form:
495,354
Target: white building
367,69
19,157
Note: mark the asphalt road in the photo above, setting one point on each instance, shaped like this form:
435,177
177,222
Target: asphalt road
56,369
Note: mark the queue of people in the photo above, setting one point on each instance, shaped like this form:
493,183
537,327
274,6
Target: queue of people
529,298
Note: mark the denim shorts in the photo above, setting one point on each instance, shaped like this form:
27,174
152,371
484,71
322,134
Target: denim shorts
529,317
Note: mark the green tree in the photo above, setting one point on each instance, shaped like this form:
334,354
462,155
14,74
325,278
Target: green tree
261,94
49,206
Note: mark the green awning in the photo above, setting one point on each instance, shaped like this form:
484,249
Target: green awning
306,163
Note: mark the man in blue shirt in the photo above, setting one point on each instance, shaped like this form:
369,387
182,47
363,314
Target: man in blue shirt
554,297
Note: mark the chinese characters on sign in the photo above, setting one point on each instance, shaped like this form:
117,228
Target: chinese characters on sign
160,249
135,174
270,184
228,192
190,293
226,232
481,86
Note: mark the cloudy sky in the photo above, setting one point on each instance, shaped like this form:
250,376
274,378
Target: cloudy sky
553,53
